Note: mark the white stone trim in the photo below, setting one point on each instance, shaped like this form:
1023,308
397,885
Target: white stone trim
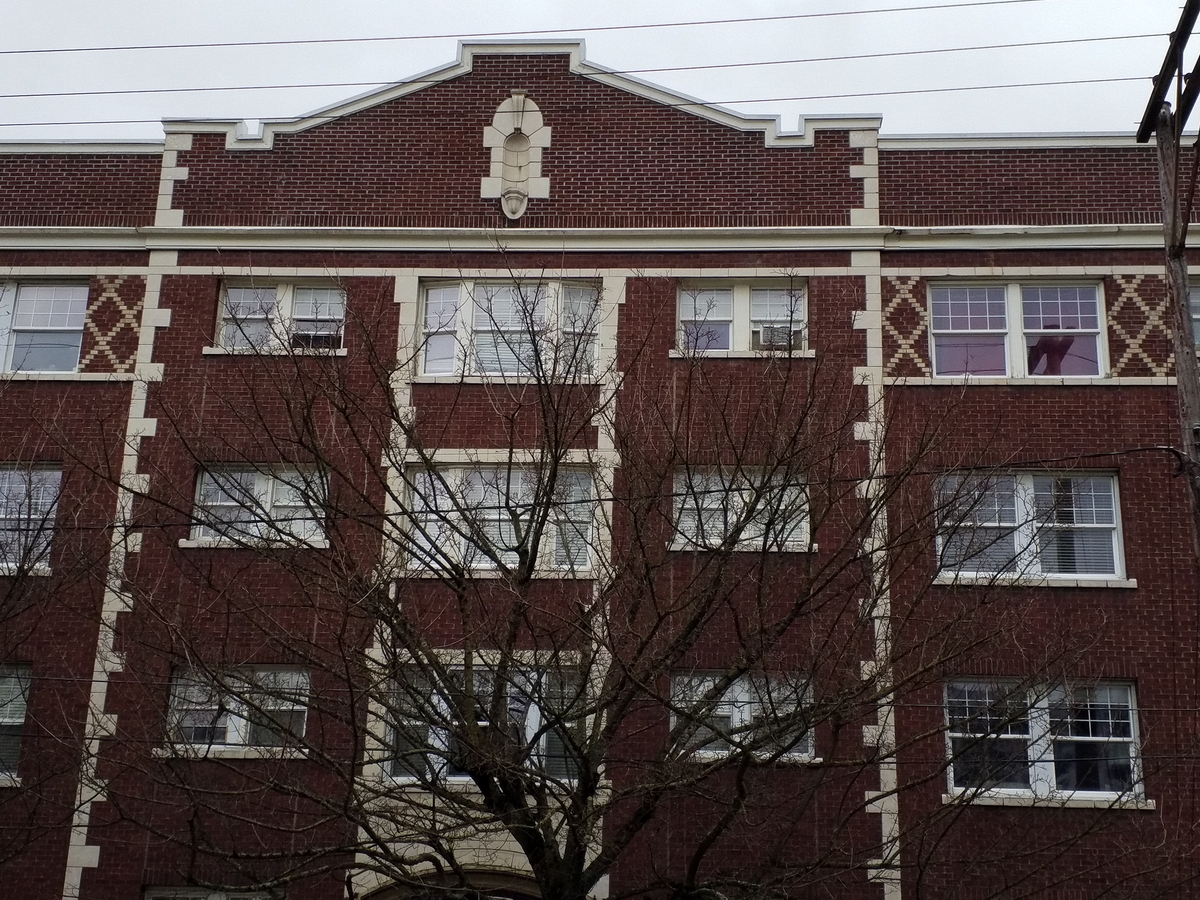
975,798
124,540
969,381
1125,140
838,238
78,148
260,135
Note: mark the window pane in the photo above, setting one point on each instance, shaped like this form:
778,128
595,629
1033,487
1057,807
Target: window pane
706,335
1063,354
510,307
28,506
504,353
1064,551
573,513
779,306
14,695
978,549
990,762
974,354
247,317
704,318
1093,766
989,727
968,309
1060,308
45,351
43,306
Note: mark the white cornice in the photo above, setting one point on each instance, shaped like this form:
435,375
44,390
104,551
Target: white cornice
1022,237
72,147
1007,141
260,135
847,238
523,239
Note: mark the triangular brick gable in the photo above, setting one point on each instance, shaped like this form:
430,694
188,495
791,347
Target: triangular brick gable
623,155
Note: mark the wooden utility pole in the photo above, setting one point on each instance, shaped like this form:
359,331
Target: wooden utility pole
1167,127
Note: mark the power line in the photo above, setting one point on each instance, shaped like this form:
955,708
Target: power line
691,104
497,34
742,65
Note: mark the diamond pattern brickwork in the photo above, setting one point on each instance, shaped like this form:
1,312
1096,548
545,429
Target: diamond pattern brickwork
905,345
110,334
1139,326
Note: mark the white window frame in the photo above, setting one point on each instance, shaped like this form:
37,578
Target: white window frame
1016,355
744,318
966,497
715,723
280,332
14,708
241,698
446,503
701,493
1031,721
28,510
10,328
455,313
434,731
265,509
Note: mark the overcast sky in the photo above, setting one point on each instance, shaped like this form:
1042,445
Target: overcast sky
799,79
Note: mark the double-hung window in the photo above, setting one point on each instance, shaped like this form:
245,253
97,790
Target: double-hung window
28,505
281,317
454,728
281,506
44,325
525,328
721,317
487,517
748,509
1044,741
14,701
1016,330
714,715
1049,525
260,707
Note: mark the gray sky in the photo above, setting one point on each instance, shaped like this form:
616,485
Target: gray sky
769,89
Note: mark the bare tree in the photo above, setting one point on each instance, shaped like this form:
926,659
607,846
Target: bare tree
520,611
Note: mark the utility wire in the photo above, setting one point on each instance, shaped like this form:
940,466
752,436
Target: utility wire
496,34
742,65
692,104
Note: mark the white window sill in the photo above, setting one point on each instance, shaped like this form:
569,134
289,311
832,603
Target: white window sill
1062,801
742,547
579,574
1054,380
17,571
807,353
503,379
68,376
271,351
787,759
211,544
227,751
9,780
1028,580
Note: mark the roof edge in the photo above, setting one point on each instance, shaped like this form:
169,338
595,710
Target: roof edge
260,134
114,148
1046,140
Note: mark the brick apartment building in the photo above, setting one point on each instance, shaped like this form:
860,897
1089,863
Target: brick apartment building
525,481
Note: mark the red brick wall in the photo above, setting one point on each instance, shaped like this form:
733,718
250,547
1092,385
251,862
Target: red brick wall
78,189
926,188
616,160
